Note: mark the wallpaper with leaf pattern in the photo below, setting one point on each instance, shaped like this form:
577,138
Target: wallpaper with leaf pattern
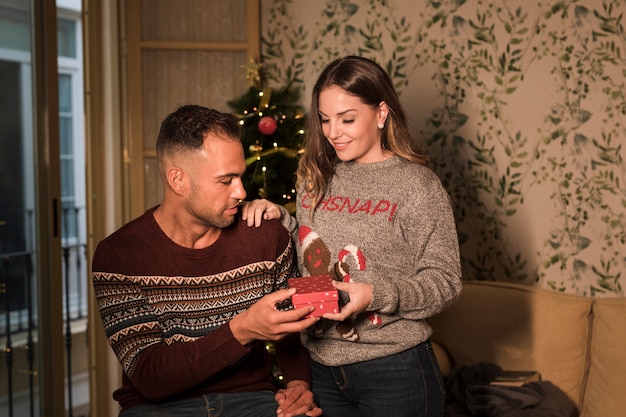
522,107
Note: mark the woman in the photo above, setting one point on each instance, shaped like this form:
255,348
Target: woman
372,215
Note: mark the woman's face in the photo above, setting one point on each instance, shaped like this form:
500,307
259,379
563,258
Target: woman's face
351,126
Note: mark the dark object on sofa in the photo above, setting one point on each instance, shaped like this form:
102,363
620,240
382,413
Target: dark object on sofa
469,394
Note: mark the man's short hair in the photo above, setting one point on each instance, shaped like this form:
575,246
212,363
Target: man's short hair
186,128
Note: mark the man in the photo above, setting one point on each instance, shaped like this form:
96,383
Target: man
188,293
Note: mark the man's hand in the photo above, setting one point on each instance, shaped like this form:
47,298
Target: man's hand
254,212
263,320
295,400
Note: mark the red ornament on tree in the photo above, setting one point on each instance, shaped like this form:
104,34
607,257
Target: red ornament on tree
267,125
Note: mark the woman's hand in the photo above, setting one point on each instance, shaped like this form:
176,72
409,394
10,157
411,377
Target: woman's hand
360,298
254,212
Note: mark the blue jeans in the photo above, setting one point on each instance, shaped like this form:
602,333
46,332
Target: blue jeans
244,404
407,384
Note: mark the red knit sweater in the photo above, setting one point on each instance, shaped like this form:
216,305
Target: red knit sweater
166,308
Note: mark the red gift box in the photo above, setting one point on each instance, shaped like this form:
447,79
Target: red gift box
317,291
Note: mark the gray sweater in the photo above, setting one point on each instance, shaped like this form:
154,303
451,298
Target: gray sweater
388,224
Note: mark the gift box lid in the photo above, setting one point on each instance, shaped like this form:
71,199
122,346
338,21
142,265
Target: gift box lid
316,288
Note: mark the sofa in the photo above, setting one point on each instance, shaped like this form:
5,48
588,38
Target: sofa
577,343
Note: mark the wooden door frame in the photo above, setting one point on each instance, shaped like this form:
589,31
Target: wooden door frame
134,154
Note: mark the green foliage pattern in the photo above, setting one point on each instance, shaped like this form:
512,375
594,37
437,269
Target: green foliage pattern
503,161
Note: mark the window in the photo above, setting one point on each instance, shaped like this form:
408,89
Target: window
16,206
16,171
72,159
20,275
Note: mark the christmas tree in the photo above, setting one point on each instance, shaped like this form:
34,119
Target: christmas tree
273,128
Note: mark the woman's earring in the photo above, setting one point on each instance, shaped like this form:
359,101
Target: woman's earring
381,126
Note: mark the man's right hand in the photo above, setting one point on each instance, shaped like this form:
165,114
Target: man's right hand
263,320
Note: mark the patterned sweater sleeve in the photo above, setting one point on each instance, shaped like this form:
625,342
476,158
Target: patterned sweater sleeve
147,360
157,367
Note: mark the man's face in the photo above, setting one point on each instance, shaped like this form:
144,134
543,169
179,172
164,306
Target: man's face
215,181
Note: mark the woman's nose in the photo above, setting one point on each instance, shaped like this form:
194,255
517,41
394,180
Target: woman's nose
333,131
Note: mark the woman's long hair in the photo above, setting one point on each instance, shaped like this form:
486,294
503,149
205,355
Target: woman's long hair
365,79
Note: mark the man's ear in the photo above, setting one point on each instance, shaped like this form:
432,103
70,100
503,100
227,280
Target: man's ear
176,179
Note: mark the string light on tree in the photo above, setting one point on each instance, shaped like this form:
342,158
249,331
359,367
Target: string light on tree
273,127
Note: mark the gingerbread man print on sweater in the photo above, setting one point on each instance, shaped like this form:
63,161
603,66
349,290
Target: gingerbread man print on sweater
316,258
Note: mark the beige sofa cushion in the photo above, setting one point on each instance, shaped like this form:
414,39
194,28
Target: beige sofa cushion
519,328
606,392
